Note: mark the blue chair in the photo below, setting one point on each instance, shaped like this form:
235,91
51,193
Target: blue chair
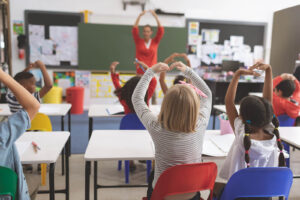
259,182
285,120
132,122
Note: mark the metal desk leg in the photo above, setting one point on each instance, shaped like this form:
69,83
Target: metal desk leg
69,126
51,182
95,179
87,179
90,127
64,150
67,175
214,119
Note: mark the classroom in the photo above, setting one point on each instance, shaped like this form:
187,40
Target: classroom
149,99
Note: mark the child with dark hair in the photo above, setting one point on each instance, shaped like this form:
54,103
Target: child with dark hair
178,78
27,80
286,96
257,138
124,93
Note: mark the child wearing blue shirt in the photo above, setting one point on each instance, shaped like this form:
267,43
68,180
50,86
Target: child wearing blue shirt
13,128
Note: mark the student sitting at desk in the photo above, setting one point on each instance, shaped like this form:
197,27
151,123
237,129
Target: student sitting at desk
257,141
124,93
178,131
27,80
12,129
178,78
286,96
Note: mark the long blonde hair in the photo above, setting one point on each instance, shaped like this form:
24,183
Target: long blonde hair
180,109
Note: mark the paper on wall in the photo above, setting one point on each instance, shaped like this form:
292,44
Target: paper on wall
258,53
193,28
210,35
236,41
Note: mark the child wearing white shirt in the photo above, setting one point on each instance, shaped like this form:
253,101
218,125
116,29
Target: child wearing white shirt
256,128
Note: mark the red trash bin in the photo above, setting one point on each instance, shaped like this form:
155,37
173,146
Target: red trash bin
75,96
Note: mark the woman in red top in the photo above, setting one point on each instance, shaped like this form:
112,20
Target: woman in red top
146,47
124,93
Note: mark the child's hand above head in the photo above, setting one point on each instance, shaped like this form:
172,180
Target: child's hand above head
171,58
113,66
242,72
143,13
38,64
29,67
260,66
179,65
160,67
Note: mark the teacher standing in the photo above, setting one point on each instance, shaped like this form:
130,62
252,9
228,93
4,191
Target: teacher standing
146,47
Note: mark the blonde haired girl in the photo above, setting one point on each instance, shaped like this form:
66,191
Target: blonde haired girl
179,129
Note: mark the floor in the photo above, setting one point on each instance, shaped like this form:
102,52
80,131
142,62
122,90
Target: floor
108,174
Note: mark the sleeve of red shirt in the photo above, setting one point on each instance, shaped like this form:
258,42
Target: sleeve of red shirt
159,34
297,88
276,81
292,110
135,34
115,79
151,88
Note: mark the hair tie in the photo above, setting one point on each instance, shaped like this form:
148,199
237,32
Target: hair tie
247,152
276,128
274,115
248,121
197,90
248,164
278,140
280,151
247,134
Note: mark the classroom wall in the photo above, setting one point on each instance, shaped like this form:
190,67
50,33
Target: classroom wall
111,12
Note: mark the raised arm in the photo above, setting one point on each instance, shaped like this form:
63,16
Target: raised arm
140,107
28,102
156,18
162,75
268,85
205,102
231,93
114,76
137,21
47,80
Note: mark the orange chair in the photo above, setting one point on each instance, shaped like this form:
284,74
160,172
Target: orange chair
186,178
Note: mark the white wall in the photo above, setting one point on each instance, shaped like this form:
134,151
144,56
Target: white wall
111,11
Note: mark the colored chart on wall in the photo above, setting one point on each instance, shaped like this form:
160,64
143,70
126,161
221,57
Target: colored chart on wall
64,80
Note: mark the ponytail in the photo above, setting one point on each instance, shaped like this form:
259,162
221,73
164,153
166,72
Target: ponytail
281,159
247,143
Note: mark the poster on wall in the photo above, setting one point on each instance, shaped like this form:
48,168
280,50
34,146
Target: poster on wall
56,48
64,80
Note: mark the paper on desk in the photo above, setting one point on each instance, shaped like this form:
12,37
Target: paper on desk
223,142
22,147
48,110
210,149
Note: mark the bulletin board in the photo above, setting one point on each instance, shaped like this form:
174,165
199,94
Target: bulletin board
244,40
52,37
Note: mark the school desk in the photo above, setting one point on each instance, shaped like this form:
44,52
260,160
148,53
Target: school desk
51,145
110,110
137,145
51,110
291,136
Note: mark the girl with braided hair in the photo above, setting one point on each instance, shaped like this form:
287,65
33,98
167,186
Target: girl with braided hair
256,132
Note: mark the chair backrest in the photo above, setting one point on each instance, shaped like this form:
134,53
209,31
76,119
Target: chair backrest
285,120
41,122
8,182
131,122
259,182
186,178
